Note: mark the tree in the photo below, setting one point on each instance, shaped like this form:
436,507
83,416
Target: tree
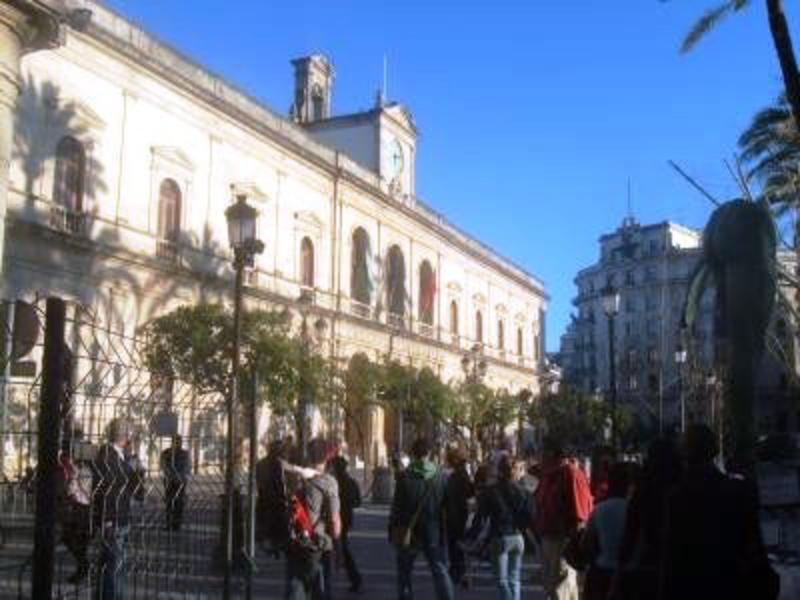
781,39
195,344
358,400
580,421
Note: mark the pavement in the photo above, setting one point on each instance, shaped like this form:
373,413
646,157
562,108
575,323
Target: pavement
166,565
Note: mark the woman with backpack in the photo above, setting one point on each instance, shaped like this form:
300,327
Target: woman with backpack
508,508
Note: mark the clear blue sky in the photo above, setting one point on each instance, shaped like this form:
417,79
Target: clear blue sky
533,114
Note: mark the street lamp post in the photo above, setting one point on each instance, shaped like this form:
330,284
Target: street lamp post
474,366
304,301
241,219
610,301
680,360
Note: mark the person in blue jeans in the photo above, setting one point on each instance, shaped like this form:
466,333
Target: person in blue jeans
421,491
508,508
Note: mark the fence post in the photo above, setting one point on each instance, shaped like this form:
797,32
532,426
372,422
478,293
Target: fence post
44,538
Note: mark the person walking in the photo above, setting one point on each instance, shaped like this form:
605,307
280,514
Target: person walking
74,501
643,537
114,482
175,468
460,490
308,571
563,504
416,522
350,498
601,538
509,510
713,544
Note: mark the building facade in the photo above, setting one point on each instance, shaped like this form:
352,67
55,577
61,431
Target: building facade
661,373
126,155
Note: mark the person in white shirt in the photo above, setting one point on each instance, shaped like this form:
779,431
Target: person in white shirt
603,533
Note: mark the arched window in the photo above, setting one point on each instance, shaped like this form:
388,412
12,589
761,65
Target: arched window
317,103
501,335
479,327
307,262
519,341
169,211
360,276
427,293
68,183
454,317
396,281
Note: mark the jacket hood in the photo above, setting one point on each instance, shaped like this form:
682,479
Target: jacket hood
422,468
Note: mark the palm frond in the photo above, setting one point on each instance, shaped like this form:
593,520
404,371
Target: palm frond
709,21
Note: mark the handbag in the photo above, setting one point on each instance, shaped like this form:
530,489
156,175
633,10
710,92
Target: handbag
401,535
578,552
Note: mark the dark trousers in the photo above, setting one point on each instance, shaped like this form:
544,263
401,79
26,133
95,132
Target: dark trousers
458,565
175,492
437,561
76,532
111,574
308,577
349,562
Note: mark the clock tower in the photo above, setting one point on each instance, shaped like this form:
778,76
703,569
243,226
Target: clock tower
383,139
397,148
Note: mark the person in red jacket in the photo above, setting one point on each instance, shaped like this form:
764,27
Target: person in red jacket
563,504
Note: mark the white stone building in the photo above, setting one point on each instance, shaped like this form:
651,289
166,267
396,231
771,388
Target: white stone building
651,266
125,154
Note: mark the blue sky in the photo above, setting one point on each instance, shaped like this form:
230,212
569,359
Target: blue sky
533,114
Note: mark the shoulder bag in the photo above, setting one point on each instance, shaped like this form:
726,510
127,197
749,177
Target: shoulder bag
401,535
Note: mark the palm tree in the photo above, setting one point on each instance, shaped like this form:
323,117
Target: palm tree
771,149
781,38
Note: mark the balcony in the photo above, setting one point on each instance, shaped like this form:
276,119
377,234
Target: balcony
167,250
396,321
250,277
426,330
360,309
308,295
68,221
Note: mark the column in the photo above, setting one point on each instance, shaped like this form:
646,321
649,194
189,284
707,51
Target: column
25,26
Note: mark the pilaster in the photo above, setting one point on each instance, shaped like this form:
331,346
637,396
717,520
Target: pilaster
25,26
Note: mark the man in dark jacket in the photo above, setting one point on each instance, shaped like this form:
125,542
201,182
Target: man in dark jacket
350,498
713,546
459,490
175,467
113,484
421,491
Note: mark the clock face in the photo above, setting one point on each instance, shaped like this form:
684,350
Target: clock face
393,159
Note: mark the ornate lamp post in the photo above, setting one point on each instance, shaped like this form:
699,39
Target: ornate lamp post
610,302
474,366
305,400
680,360
241,219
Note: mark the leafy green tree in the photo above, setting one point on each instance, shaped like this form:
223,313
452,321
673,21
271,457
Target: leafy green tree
579,420
475,412
195,344
359,397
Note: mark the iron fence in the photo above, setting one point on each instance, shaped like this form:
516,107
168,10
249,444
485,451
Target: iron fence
104,378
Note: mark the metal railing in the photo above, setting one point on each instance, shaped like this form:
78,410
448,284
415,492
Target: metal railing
166,250
67,221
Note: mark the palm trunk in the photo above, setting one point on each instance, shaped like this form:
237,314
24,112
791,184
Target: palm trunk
783,47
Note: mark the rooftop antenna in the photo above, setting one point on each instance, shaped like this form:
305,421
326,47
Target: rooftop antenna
630,211
385,76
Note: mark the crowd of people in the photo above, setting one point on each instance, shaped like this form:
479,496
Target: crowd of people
674,526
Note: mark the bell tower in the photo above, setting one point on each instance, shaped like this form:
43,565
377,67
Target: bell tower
313,83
